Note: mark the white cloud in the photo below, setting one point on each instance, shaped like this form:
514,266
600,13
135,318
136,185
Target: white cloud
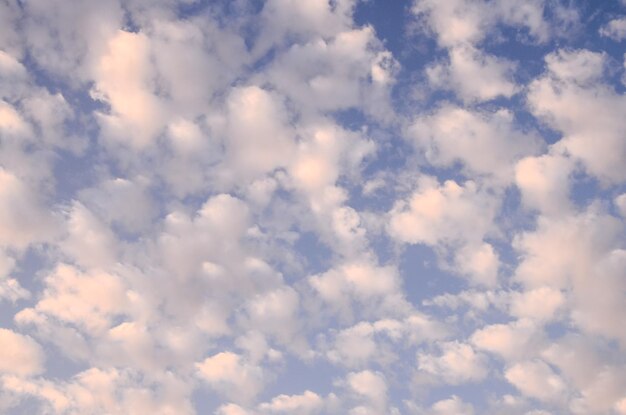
511,341
615,29
480,263
536,379
67,41
581,254
231,409
106,391
10,40
196,59
581,66
371,386
375,289
620,407
602,394
10,289
541,303
349,70
125,81
317,17
620,202
230,375
23,217
598,379
439,213
486,143
87,300
381,341
48,114
572,98
220,195
20,355
474,75
308,403
453,405
90,243
258,138
276,313
123,202
11,122
462,21
456,21
545,182
456,363
355,346
478,300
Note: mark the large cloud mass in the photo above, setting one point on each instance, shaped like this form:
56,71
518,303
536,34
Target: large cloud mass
312,207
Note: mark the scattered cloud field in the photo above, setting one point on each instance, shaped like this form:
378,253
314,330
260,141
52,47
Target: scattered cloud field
257,207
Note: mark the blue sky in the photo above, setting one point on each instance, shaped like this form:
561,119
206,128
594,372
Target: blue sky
313,207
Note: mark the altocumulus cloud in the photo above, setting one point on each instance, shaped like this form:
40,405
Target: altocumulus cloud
312,207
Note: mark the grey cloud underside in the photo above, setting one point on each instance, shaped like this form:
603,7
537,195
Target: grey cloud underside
312,207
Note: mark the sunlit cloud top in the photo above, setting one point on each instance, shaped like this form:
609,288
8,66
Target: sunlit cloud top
258,207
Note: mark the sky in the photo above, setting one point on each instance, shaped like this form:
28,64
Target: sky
257,207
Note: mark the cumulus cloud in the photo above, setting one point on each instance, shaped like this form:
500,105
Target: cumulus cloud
20,355
307,403
573,81
456,363
312,207
86,300
485,143
462,21
615,29
545,182
23,217
473,75
537,380
452,406
510,341
437,215
230,375
125,81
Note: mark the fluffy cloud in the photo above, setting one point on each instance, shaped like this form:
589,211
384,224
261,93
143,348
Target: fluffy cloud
511,341
264,207
337,74
112,391
20,355
307,403
371,386
485,143
23,217
473,75
615,29
463,21
230,375
545,182
585,264
122,202
125,81
437,215
573,99
452,406
366,342
537,380
455,364
88,300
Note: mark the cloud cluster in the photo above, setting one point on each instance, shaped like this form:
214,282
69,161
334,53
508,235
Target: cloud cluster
312,207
